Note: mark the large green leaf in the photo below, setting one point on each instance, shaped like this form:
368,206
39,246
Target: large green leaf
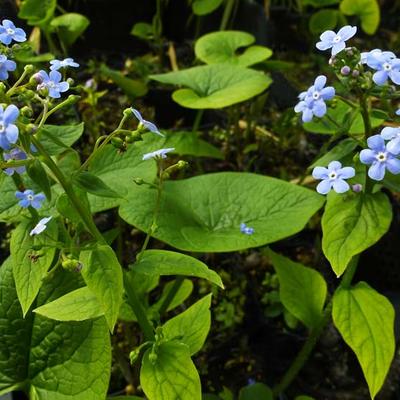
172,376
46,358
37,12
256,391
78,305
103,276
215,86
32,257
118,170
367,10
204,213
222,47
322,20
204,7
190,327
69,27
365,319
57,138
302,290
352,223
163,262
132,87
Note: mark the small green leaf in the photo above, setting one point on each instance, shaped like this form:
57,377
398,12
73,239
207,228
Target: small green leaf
78,305
204,7
351,224
92,184
103,276
32,256
37,12
163,262
256,391
365,319
69,27
143,30
204,213
192,326
172,376
184,291
215,86
323,20
222,47
367,10
132,87
38,175
57,138
302,290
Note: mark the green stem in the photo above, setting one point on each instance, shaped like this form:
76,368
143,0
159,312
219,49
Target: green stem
365,115
197,120
315,333
138,309
171,294
16,84
227,14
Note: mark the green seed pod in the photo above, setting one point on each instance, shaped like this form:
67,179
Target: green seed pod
26,111
117,142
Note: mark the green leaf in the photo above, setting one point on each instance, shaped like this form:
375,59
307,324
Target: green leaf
117,171
92,184
215,86
69,27
38,175
351,223
67,209
367,10
57,138
302,290
32,257
192,326
323,20
303,397
365,319
143,30
222,47
204,213
163,262
319,3
51,359
256,391
341,113
103,276
78,305
204,7
341,150
132,87
37,12
172,376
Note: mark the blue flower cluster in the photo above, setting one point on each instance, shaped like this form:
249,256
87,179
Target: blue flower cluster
385,63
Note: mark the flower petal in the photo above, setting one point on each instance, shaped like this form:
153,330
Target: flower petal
320,82
328,36
319,108
394,146
380,77
395,76
320,173
10,114
340,186
327,93
377,171
334,165
367,156
393,165
376,142
347,172
307,115
324,186
389,133
137,114
338,47
347,32
12,133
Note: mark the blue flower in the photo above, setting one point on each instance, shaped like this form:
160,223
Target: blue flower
52,83
8,131
9,32
386,64
393,135
147,124
333,177
5,66
162,153
67,62
15,154
398,112
379,157
246,229
336,41
364,56
312,101
40,226
29,198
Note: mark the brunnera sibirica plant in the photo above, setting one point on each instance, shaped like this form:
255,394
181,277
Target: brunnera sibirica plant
63,288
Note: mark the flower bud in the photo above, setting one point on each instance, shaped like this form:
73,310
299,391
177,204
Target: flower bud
117,142
355,73
26,111
153,358
357,188
70,81
30,128
127,112
29,68
36,78
345,70
71,265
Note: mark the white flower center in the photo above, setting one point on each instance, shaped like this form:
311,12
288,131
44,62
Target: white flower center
2,127
333,175
315,95
29,197
387,66
10,31
337,39
381,156
51,85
